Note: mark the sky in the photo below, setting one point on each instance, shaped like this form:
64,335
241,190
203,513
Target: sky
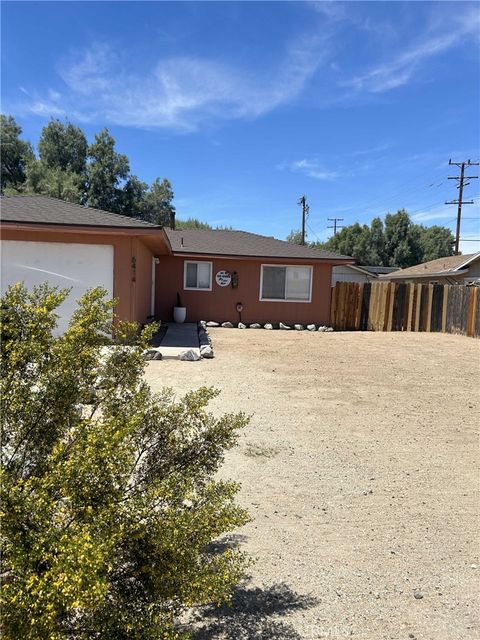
247,106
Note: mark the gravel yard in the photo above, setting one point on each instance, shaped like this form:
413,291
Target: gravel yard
360,470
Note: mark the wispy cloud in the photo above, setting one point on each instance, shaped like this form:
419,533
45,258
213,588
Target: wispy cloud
401,69
178,92
311,168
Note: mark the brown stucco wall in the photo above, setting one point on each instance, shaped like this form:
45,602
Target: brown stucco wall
130,286
143,285
219,304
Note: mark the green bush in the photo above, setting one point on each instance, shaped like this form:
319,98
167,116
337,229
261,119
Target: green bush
109,494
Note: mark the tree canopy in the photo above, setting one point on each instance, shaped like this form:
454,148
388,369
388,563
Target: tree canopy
67,167
110,495
394,242
15,155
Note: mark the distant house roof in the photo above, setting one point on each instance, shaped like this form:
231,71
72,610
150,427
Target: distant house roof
439,267
379,270
242,244
37,209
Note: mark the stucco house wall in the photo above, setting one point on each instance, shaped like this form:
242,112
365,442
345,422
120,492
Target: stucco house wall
219,304
131,269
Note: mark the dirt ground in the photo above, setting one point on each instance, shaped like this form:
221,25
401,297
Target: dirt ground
360,470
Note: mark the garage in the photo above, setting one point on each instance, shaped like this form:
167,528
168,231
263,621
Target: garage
71,246
78,267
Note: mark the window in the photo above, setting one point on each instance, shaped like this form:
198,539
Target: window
197,275
286,283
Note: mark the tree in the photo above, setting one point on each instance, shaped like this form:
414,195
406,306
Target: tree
397,243
436,242
349,241
401,240
107,172
159,203
191,223
63,146
15,154
294,237
376,254
109,492
54,182
132,198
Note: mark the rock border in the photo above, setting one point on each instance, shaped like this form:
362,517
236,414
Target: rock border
204,339
269,326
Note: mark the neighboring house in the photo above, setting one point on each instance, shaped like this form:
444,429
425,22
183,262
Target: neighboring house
144,266
355,273
463,269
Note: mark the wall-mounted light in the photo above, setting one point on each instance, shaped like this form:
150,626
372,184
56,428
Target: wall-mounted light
239,308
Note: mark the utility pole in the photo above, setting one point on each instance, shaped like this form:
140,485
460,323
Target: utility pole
461,184
305,211
335,226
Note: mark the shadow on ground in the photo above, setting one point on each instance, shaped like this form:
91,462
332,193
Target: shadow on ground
253,614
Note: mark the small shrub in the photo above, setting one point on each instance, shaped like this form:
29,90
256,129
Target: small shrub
109,496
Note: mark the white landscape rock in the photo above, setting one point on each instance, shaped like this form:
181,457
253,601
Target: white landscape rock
311,327
268,326
206,351
322,328
152,354
227,325
298,327
203,324
189,355
283,326
241,325
329,329
211,323
255,325
203,338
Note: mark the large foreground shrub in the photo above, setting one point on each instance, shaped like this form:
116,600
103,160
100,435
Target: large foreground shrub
109,495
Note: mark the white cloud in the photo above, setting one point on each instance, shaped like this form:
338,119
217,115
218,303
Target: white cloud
311,168
401,69
178,92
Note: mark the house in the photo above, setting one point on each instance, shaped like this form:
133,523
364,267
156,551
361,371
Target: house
220,275
356,273
463,269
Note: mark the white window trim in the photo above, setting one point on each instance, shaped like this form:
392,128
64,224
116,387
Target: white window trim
185,262
290,300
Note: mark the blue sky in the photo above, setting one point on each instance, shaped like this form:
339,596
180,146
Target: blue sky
247,106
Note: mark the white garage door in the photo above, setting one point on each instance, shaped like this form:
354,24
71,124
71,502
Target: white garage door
76,266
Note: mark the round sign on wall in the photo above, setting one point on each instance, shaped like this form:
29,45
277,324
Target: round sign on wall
223,278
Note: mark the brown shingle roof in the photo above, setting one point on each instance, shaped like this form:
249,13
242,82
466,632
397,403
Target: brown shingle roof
39,209
446,266
242,244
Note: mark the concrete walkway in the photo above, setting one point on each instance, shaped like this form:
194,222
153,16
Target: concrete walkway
179,338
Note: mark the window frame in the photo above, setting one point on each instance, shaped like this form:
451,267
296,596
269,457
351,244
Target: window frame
286,266
197,262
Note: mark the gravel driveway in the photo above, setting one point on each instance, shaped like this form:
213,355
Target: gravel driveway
360,470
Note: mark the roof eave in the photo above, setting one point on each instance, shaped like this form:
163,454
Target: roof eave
224,256
77,227
438,274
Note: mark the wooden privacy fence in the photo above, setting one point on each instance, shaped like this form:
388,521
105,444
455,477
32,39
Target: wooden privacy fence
390,306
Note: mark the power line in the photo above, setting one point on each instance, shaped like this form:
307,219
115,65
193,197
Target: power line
461,184
312,231
402,192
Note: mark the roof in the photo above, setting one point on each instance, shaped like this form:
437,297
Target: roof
242,244
439,267
378,270
37,209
